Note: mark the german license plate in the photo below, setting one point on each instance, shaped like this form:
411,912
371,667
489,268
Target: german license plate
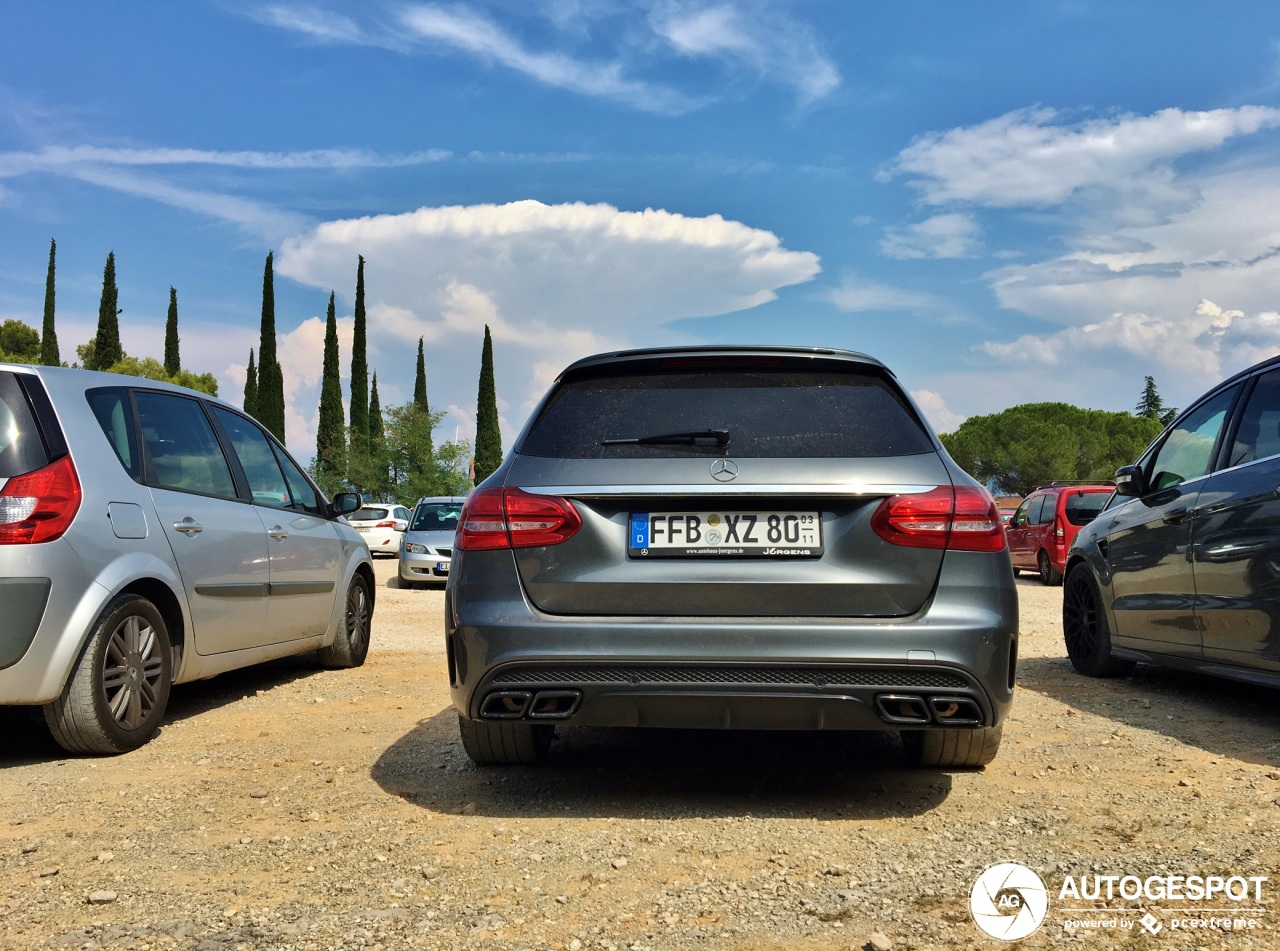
442,567
725,534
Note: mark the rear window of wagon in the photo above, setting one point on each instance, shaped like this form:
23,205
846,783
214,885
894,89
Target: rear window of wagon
779,413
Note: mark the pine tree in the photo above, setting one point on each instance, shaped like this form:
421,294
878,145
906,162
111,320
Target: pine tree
359,372
107,351
251,388
270,401
1152,406
420,382
48,336
488,436
331,435
172,363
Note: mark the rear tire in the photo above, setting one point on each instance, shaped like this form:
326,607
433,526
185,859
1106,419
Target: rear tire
1085,628
950,749
118,690
1048,574
351,644
491,743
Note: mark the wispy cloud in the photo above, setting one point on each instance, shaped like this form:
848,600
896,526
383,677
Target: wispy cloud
756,36
942,236
856,295
1032,157
56,158
742,36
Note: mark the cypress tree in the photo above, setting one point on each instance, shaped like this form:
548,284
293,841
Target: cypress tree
488,436
251,388
377,438
420,382
48,336
107,351
172,364
270,400
359,372
331,436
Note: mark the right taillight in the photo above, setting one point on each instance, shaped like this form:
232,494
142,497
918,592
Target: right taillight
512,518
957,518
39,506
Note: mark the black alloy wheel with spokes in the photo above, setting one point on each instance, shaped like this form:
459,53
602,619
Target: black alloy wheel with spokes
1085,628
351,642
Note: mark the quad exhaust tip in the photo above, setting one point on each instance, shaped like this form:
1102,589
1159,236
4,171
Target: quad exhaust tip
914,710
521,704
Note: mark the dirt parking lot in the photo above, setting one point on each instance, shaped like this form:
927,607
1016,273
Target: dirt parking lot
290,807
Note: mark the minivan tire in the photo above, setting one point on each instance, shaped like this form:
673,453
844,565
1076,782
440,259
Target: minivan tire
1085,628
116,696
1048,574
952,748
351,643
491,743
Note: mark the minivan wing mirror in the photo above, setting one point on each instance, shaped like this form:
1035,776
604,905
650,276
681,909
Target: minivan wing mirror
344,503
1129,480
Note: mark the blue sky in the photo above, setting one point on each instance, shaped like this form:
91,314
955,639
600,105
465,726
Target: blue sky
1006,202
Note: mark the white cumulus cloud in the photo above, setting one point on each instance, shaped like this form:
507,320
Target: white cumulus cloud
552,282
953,235
1032,157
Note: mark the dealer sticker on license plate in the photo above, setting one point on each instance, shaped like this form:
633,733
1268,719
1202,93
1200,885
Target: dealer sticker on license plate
725,534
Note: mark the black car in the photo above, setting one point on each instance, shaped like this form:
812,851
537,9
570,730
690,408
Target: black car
1182,569
733,538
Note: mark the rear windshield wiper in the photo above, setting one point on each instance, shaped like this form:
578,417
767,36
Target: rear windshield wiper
702,437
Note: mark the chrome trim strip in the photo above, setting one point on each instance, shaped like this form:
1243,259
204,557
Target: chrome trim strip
853,489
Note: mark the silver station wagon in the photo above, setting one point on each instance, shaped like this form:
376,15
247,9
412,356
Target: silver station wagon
742,538
151,535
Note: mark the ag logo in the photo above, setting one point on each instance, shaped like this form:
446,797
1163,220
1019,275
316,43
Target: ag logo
1008,901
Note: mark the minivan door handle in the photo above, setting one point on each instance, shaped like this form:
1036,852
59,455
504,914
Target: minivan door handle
275,531
188,526
1173,516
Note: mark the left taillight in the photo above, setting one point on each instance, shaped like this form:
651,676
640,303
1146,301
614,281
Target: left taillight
39,506
957,518
510,517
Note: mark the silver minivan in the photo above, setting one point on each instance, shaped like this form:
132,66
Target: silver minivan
731,538
151,535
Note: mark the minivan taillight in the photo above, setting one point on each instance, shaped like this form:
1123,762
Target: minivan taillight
39,506
513,518
958,518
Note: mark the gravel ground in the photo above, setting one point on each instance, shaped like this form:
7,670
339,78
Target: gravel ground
289,807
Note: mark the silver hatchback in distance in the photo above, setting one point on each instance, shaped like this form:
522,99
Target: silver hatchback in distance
427,550
738,538
151,535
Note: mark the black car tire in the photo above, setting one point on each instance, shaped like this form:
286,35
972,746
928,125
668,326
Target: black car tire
1085,628
117,693
1048,574
491,743
351,644
953,748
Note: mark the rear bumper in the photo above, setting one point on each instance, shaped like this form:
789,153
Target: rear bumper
508,660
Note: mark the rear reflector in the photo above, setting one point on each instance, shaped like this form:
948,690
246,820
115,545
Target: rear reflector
958,518
512,518
39,506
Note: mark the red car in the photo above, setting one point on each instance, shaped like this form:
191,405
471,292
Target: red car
1047,522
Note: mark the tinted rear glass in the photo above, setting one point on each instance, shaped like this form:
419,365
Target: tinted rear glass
21,449
767,413
436,517
368,514
1083,507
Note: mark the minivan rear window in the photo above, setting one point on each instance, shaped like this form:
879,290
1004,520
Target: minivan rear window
21,448
1083,507
780,413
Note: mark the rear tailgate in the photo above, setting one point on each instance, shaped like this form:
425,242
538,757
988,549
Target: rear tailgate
837,567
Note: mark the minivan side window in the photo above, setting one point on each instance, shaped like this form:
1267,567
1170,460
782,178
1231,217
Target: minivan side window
21,449
1258,435
179,440
110,407
305,498
1187,452
1048,508
266,484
